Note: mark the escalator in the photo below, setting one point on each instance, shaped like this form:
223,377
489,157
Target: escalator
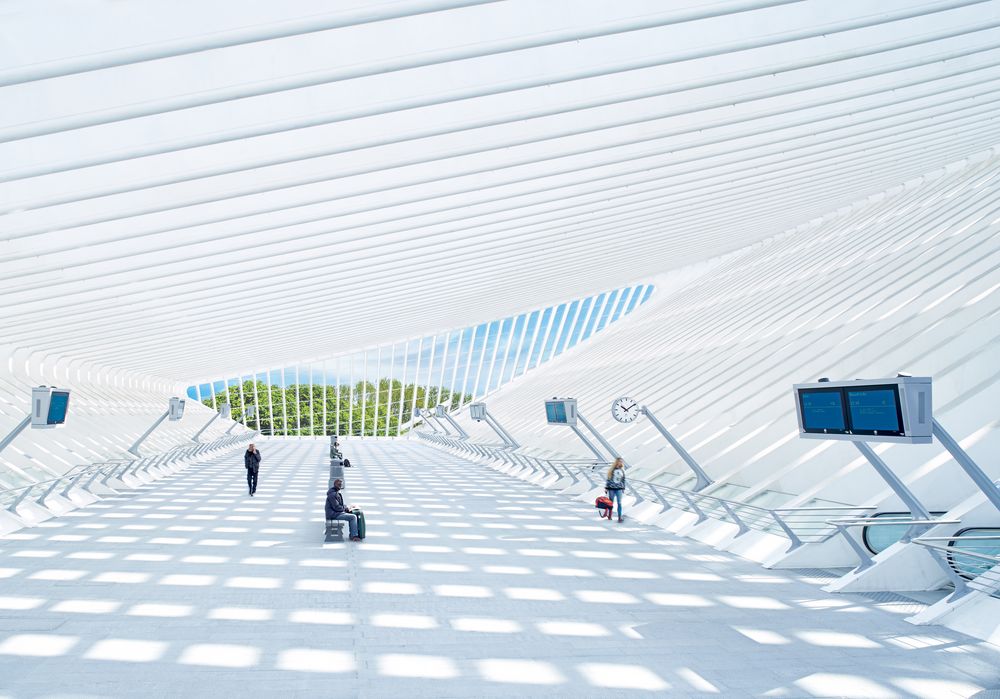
980,564
878,538
972,566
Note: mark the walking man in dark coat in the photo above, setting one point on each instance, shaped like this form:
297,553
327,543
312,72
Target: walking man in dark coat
251,460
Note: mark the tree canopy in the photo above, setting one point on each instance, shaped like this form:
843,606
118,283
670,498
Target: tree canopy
304,410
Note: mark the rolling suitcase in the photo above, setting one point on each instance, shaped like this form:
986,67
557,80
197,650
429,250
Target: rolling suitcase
361,522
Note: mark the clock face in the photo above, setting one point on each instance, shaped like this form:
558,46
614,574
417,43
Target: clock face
625,410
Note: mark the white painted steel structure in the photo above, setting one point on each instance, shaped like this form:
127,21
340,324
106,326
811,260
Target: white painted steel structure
190,192
494,601
455,367
351,166
907,280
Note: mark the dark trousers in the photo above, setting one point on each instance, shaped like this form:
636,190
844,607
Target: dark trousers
252,479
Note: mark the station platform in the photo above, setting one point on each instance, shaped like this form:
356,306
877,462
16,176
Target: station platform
470,584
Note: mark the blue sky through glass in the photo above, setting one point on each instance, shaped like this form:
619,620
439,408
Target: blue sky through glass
473,360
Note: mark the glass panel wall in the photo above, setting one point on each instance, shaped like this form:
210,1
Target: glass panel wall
374,392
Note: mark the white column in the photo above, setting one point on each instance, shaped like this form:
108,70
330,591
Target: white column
402,385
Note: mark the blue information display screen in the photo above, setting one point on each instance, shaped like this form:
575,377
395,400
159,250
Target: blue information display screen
57,408
874,410
823,410
555,411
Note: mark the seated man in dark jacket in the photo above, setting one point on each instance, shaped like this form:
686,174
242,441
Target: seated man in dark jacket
335,509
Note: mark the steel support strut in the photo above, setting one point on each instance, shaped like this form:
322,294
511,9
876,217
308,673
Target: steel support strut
977,475
703,480
134,449
590,445
905,494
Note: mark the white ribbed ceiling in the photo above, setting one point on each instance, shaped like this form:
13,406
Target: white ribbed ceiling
193,188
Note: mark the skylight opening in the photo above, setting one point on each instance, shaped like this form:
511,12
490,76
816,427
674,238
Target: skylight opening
379,391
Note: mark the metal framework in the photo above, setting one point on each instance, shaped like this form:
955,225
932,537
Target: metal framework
491,348
800,525
631,152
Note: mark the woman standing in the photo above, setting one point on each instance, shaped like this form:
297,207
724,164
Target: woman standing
251,460
616,484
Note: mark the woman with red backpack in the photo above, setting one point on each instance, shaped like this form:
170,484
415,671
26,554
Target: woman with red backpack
615,484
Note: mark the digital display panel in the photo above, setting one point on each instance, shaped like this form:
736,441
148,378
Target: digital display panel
176,409
874,410
897,410
555,411
823,410
58,406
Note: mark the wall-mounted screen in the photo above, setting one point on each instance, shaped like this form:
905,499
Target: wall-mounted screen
822,410
58,405
176,409
874,410
866,410
477,411
556,412
49,407
561,411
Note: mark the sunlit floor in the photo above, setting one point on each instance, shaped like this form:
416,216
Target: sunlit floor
470,583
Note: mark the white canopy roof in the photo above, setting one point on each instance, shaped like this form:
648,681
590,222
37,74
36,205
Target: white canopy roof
192,188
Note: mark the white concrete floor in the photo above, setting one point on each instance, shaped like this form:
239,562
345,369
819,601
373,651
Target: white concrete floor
470,584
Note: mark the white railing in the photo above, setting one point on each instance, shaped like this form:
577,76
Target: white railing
800,525
122,471
915,527
975,565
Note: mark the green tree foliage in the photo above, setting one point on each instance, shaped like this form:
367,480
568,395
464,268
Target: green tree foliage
298,410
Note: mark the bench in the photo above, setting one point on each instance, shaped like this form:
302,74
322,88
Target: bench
339,524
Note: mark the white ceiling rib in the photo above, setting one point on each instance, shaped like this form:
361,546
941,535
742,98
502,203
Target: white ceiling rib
507,119
30,130
974,83
116,58
381,171
41,270
259,189
462,53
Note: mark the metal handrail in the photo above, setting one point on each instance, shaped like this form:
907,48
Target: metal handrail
995,559
503,453
72,472
886,521
821,507
987,579
111,468
866,560
800,525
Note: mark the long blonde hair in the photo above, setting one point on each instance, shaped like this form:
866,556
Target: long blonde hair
617,463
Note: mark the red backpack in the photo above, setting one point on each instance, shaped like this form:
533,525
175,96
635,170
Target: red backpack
604,505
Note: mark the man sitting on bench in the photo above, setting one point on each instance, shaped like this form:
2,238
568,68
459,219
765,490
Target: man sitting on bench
335,509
